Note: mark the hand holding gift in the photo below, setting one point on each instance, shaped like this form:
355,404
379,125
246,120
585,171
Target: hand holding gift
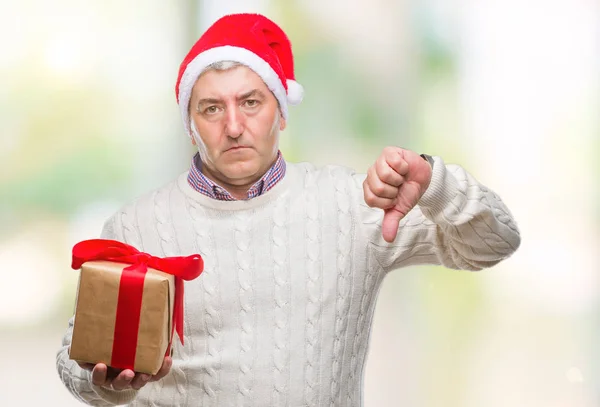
105,376
129,305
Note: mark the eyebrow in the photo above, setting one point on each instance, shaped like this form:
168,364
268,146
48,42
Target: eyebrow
209,100
249,94
253,92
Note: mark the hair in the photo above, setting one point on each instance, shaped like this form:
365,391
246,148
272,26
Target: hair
221,66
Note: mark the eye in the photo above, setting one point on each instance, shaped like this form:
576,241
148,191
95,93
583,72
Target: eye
211,110
251,103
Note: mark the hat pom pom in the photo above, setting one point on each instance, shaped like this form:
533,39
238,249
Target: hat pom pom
295,92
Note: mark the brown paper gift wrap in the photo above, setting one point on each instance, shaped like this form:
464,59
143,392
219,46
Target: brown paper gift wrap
95,315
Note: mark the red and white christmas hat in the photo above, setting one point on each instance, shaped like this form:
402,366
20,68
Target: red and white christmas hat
251,40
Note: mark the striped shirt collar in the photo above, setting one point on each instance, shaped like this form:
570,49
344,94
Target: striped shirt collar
207,187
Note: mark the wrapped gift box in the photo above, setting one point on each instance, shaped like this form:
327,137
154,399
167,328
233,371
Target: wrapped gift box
128,304
96,314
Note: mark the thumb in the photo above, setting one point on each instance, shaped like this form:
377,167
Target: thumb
391,221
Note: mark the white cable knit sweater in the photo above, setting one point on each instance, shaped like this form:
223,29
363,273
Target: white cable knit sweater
281,315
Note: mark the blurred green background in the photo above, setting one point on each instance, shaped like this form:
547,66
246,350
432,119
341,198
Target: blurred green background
508,89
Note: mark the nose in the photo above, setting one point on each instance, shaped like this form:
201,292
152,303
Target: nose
234,122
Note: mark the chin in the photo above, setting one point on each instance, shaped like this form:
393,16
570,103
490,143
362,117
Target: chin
241,170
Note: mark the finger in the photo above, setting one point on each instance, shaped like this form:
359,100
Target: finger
140,380
391,222
123,380
374,201
112,373
387,174
86,366
397,162
99,374
164,369
380,188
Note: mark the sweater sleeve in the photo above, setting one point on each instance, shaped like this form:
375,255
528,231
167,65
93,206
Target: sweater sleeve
77,380
458,223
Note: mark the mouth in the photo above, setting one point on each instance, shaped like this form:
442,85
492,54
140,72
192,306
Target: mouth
236,148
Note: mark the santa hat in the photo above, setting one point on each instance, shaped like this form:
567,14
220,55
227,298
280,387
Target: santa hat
251,40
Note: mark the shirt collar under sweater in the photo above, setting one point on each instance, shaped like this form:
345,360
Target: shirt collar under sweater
205,186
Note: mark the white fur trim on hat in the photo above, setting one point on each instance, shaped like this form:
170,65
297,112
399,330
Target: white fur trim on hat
236,54
295,92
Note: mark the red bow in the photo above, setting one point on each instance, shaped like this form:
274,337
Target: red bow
131,288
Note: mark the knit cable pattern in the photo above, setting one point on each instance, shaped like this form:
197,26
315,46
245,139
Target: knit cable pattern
131,229
205,245
372,279
281,302
313,292
247,315
168,244
344,243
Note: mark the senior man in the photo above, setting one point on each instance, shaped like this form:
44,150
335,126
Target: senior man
294,254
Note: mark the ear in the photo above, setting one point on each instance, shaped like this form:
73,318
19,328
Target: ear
193,140
282,123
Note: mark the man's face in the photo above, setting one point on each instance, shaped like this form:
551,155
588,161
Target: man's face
237,119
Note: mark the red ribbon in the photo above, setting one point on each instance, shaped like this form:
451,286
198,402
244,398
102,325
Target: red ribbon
132,287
